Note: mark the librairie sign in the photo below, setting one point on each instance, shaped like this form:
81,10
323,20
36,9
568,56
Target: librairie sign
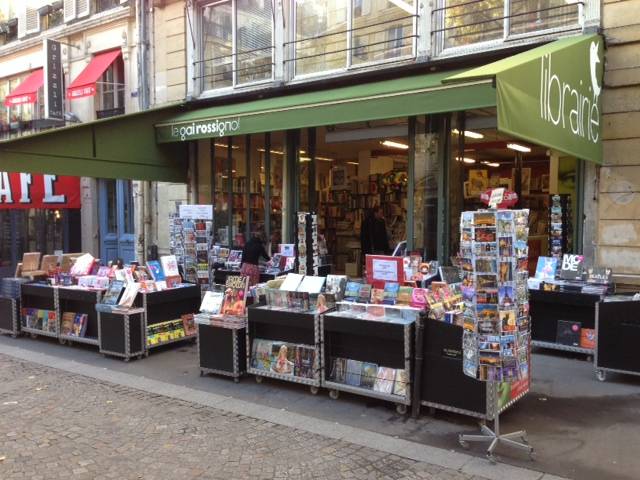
26,190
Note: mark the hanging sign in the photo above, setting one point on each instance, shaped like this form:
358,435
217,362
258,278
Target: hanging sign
196,212
500,197
30,190
53,94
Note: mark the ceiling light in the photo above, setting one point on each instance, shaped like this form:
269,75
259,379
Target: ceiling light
465,160
468,133
353,163
305,159
492,164
324,159
224,145
392,144
276,152
303,151
518,147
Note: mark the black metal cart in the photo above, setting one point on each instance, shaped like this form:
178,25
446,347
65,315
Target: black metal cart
80,301
121,332
222,350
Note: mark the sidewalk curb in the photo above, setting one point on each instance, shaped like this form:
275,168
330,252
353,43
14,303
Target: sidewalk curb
403,448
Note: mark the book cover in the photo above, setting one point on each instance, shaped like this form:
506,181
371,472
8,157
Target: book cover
546,268
189,324
235,295
52,320
336,285
354,372
212,302
571,267
568,333
129,295
311,284
419,298
368,375
304,358
79,325
377,295
384,380
587,338
155,270
364,294
67,323
391,293
262,354
169,265
352,290
339,372
289,263
282,356
404,295
400,383
291,282
235,256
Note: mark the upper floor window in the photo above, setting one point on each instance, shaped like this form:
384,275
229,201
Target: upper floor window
51,15
237,44
102,5
465,22
9,31
110,90
338,34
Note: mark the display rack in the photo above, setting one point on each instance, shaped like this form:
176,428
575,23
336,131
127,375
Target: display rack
121,333
386,343
9,314
548,307
43,297
618,337
79,301
222,350
167,305
284,326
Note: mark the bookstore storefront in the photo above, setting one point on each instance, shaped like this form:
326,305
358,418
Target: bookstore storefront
423,148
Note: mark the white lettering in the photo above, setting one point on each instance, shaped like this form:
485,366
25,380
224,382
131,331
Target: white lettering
49,197
5,188
25,188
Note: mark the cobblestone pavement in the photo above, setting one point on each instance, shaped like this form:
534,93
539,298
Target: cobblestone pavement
55,424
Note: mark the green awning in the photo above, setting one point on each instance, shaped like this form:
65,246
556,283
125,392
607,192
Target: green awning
550,95
400,97
118,147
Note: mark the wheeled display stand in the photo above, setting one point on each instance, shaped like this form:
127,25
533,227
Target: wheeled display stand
387,344
547,307
79,301
33,295
618,337
121,333
168,305
284,326
222,350
9,315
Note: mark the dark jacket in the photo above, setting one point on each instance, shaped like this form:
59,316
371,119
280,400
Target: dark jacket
373,236
253,250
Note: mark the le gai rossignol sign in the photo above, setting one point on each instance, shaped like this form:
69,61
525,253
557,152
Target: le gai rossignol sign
26,190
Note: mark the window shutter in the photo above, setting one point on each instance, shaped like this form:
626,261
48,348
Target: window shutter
22,20
32,20
69,10
83,8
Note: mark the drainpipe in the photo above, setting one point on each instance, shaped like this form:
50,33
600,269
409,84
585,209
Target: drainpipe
144,204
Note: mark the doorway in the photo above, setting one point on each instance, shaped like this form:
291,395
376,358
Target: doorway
117,239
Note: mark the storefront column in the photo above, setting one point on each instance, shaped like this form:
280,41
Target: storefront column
411,157
267,188
313,197
230,192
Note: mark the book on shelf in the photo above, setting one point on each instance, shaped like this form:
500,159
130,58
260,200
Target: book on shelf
339,370
212,302
354,372
368,375
400,383
384,380
129,295
391,293
66,326
189,324
282,359
79,325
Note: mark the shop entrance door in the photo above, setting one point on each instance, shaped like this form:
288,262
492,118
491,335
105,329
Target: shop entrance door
116,221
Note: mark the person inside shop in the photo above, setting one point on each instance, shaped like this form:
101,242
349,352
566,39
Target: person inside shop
251,254
373,233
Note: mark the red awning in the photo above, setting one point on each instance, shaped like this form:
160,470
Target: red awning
27,91
85,84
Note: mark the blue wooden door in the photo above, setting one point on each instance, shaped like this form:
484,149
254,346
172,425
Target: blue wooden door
115,209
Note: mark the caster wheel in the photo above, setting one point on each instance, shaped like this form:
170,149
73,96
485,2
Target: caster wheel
62,341
258,379
601,375
201,373
127,359
236,380
33,335
401,409
314,390
14,335
491,458
463,443
334,394
532,455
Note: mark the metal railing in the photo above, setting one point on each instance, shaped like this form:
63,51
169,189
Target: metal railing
201,66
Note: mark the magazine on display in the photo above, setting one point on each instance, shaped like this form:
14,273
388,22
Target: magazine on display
291,282
170,266
112,295
212,302
129,295
235,295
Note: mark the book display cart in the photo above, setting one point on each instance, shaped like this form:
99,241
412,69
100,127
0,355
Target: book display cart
618,337
121,332
547,308
222,349
291,338
83,302
162,308
444,386
39,310
9,315
367,350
